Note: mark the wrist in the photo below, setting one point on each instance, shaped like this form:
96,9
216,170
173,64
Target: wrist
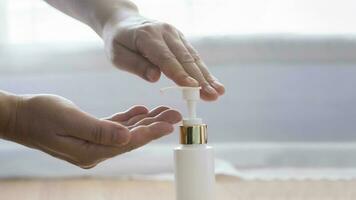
105,14
9,104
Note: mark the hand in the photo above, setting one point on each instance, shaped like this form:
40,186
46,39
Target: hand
146,48
56,126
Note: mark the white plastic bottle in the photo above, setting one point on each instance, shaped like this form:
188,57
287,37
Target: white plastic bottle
193,159
194,171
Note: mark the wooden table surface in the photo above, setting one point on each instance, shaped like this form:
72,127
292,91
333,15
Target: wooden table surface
227,189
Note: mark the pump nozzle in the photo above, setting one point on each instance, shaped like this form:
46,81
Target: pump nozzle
191,95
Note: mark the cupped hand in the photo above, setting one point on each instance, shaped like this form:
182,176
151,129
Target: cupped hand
146,48
56,126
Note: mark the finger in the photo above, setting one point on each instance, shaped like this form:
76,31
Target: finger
152,113
183,56
82,125
87,154
106,132
156,111
204,69
134,63
219,87
159,54
88,151
169,116
125,116
134,119
142,135
186,59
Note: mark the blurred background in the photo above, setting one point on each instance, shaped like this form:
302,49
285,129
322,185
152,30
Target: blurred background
289,67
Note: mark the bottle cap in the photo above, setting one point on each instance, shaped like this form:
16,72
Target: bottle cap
196,134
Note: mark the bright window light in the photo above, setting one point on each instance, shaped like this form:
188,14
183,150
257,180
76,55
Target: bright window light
33,21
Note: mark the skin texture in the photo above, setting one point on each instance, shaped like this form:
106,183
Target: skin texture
56,126
142,46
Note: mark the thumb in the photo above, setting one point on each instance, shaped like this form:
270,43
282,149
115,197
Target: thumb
109,133
102,132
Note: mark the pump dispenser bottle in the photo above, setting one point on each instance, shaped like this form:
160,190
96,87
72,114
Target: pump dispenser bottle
193,159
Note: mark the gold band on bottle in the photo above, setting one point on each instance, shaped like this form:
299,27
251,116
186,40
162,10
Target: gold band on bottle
196,134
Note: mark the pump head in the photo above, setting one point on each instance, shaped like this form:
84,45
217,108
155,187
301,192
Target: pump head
191,95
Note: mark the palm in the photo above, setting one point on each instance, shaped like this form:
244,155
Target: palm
58,127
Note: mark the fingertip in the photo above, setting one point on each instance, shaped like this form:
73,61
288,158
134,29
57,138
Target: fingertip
171,116
138,109
152,74
128,114
206,97
219,87
208,93
156,111
160,108
177,116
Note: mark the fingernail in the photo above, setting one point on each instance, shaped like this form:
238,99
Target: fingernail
191,81
210,90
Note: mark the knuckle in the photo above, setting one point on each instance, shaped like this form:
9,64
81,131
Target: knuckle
167,27
166,55
210,78
145,36
185,57
113,136
163,58
203,83
196,56
145,30
142,33
142,36
149,27
98,134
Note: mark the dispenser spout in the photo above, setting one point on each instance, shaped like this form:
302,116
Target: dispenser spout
191,95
